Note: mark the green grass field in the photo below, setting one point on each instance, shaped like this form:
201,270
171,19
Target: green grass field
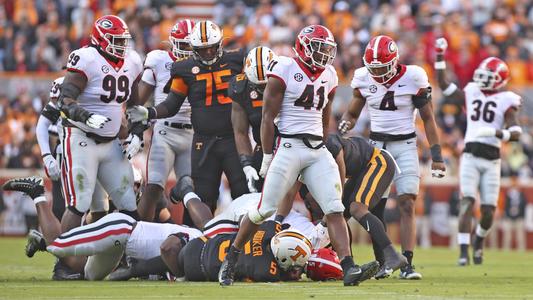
505,275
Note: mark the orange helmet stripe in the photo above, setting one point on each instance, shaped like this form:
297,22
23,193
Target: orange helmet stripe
203,31
259,67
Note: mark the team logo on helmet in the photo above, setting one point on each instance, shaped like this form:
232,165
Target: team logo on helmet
105,23
298,77
308,29
392,47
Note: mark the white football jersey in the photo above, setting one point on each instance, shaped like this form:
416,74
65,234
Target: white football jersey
157,73
391,108
305,96
107,87
486,111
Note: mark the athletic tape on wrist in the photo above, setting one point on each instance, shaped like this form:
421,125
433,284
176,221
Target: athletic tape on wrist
506,135
450,89
439,65
39,199
189,196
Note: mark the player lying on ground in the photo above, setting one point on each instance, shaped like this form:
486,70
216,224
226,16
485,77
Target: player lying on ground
492,117
103,242
370,172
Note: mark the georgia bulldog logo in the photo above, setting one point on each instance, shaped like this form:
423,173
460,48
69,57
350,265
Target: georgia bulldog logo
392,47
105,23
308,29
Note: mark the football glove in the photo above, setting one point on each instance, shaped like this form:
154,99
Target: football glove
441,45
344,125
267,160
132,145
251,178
97,121
51,167
137,113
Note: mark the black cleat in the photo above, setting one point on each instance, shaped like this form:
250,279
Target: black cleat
226,273
478,256
35,243
182,188
62,272
356,275
32,186
390,266
408,272
125,272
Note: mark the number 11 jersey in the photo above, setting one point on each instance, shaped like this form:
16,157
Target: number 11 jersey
306,94
108,86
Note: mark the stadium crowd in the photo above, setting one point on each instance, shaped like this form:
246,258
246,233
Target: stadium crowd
37,36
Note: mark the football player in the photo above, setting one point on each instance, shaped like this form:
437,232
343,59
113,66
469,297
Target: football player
99,79
172,137
392,92
104,241
492,117
298,96
246,91
203,80
47,127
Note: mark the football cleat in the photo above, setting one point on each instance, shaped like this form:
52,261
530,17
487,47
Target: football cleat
478,256
463,261
408,272
227,273
63,272
32,186
358,274
35,243
390,266
184,186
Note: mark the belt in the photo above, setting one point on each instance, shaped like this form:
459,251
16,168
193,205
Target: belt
178,125
385,137
482,150
305,137
97,138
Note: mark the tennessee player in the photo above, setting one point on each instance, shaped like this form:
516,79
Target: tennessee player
298,98
203,80
172,137
392,92
492,117
246,91
99,79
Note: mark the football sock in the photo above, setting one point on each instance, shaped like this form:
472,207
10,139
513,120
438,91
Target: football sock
150,266
347,263
409,256
233,254
463,239
480,237
376,230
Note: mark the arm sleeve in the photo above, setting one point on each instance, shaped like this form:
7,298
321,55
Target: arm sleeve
421,87
42,134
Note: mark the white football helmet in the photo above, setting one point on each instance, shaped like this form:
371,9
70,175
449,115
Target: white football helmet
291,249
256,64
206,35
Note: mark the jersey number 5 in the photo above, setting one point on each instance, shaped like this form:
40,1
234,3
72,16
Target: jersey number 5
306,100
111,84
487,114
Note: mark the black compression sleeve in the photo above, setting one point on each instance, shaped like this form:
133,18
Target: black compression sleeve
75,112
170,106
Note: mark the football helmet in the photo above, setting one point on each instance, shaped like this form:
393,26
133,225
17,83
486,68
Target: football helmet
381,58
315,46
179,38
491,74
324,264
206,42
110,33
256,63
291,249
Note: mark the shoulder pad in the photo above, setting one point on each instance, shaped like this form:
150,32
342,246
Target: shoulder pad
418,76
181,66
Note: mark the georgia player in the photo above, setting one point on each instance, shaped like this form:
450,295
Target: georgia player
492,117
99,79
392,93
172,137
298,97
246,91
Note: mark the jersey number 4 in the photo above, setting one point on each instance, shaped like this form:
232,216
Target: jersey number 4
487,114
306,100
113,85
387,103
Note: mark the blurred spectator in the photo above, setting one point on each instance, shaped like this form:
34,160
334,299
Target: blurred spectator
513,222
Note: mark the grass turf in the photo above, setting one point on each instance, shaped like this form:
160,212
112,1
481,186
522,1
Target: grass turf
505,275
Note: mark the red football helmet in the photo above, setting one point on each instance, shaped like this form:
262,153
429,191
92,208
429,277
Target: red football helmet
492,74
315,46
179,38
324,264
111,34
381,58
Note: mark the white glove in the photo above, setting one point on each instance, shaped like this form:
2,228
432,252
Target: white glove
486,131
97,121
267,159
438,173
131,145
441,45
137,113
251,178
344,126
52,167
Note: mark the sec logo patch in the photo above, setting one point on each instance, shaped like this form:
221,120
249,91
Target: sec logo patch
195,70
298,77
168,65
253,95
373,88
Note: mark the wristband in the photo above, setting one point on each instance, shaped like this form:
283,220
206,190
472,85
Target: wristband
246,160
436,154
152,113
515,128
506,135
439,65
279,218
